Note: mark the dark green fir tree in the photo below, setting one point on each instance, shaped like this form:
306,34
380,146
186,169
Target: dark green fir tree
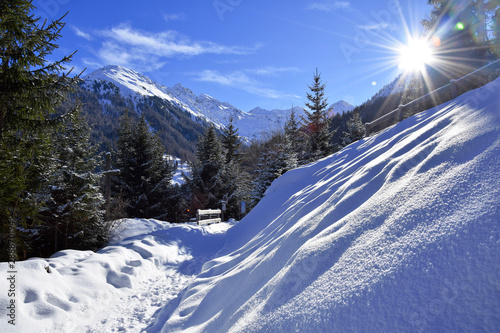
205,182
145,175
31,89
317,121
234,181
231,142
73,212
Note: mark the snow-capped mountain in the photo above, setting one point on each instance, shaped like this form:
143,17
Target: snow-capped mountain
202,107
129,82
134,85
340,107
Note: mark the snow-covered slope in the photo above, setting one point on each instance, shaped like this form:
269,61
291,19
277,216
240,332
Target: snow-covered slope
398,232
250,124
182,168
129,82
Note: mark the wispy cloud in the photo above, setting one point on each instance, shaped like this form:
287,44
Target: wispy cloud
272,70
174,17
378,26
81,33
329,5
126,46
169,43
242,81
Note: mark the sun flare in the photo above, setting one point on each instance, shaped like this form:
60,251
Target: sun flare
416,55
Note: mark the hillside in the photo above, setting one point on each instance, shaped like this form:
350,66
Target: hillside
395,233
103,105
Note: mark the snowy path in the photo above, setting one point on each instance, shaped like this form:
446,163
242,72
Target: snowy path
134,311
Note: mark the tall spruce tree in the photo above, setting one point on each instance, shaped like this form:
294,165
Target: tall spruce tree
317,120
206,182
145,174
234,180
231,142
31,89
73,212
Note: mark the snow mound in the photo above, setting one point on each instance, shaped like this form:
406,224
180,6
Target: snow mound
398,232
147,264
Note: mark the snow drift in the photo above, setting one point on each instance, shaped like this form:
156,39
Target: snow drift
397,232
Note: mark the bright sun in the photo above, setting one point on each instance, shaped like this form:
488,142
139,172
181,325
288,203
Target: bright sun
414,56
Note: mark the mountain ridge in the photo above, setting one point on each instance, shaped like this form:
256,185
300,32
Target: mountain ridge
251,124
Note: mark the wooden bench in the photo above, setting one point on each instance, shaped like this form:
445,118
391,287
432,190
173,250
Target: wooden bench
207,216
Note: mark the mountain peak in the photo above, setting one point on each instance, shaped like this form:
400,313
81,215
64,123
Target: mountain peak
129,81
340,107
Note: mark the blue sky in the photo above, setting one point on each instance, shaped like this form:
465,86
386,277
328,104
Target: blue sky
248,53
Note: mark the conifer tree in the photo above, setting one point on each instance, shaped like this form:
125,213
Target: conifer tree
234,188
231,142
287,158
355,130
265,177
73,215
31,89
295,136
206,183
234,181
274,161
317,119
495,31
145,174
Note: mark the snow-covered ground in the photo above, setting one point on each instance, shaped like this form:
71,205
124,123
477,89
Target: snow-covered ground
182,168
399,232
117,289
